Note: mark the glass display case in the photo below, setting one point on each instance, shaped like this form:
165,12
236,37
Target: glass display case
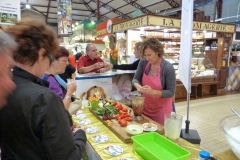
200,67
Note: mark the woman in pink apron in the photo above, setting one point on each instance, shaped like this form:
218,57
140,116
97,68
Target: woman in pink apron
155,79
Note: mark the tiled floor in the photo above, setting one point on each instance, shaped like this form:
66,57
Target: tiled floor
205,115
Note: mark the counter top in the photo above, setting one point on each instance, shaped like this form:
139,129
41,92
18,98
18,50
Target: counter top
106,74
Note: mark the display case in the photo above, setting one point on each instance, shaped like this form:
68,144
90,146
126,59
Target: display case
201,66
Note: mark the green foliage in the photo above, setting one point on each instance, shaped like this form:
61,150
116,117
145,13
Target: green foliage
100,111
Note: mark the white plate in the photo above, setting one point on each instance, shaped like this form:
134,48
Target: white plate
100,138
85,122
79,112
81,116
151,129
114,150
134,129
126,159
91,129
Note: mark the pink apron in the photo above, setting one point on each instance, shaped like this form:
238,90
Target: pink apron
155,107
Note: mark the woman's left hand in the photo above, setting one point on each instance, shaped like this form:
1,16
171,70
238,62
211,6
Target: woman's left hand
146,89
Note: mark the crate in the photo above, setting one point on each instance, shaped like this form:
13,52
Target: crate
153,146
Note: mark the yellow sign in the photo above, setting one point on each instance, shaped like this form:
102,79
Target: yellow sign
164,21
172,22
101,32
217,27
176,23
137,22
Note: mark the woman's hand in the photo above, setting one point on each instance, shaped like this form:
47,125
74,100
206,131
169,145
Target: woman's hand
71,87
146,89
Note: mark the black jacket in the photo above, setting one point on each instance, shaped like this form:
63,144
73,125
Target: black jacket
132,66
34,124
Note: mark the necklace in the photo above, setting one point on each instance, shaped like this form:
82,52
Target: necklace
154,71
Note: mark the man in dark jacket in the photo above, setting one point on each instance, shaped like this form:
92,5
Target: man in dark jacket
34,124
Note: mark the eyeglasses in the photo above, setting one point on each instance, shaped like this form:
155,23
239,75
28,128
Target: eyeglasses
64,60
51,58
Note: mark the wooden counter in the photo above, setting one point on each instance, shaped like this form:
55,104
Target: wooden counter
120,132
200,86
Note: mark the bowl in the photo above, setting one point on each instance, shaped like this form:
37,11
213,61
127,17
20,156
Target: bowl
230,126
134,129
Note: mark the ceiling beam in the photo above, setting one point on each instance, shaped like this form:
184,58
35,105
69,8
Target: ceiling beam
117,8
172,3
89,8
112,9
34,9
35,5
219,8
144,7
49,2
93,12
138,6
72,14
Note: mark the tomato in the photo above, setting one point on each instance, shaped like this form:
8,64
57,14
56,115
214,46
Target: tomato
120,112
119,106
117,116
114,103
123,123
125,110
128,119
127,115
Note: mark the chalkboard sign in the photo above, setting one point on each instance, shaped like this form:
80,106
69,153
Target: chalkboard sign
236,36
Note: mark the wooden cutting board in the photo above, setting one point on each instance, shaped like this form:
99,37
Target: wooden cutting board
121,131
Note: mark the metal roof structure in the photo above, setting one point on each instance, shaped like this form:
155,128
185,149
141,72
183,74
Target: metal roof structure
88,9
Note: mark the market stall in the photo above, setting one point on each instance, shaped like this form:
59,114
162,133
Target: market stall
211,42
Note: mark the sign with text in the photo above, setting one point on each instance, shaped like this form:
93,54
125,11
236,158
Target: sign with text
137,22
173,23
105,27
176,23
64,14
9,11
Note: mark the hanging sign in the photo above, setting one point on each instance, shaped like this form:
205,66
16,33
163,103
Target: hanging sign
105,27
173,23
64,14
136,22
9,11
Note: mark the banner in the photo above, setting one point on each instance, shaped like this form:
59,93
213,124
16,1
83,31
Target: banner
186,44
64,14
9,11
88,85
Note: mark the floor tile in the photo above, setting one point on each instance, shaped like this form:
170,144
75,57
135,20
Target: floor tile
205,115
